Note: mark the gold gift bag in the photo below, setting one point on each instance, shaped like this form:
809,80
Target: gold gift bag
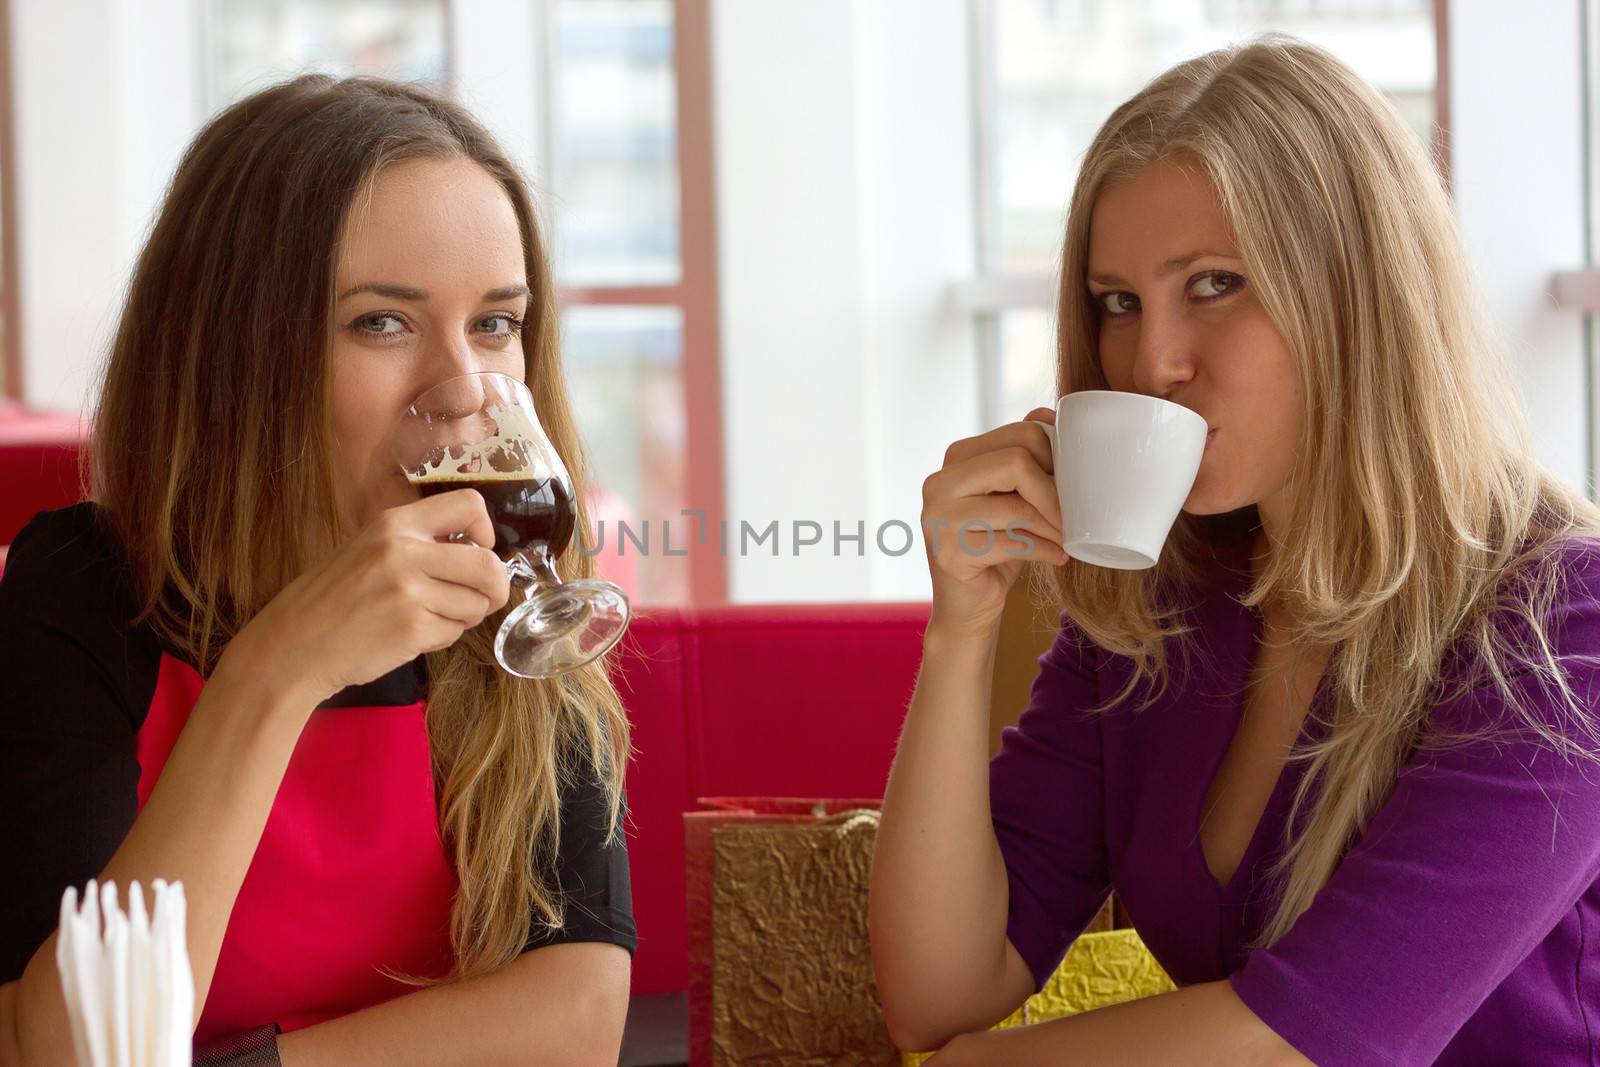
780,972
1100,969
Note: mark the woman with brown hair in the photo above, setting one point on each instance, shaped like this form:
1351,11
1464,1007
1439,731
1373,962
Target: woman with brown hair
258,664
1336,752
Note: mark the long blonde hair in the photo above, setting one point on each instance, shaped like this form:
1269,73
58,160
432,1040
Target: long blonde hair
211,458
1421,520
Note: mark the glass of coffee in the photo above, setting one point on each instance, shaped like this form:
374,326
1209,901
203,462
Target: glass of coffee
480,431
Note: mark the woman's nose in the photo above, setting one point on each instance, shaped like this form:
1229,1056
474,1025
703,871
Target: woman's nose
445,362
452,355
453,396
1165,357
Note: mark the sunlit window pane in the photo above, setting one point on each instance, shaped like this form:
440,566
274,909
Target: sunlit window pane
1058,68
1026,338
614,167
625,374
251,43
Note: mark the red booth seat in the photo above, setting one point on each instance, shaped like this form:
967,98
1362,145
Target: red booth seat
784,700
38,466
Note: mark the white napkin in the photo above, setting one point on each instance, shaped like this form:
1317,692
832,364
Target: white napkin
129,991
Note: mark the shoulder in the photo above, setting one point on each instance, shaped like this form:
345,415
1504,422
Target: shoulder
70,556
1534,649
1560,588
1072,646
1576,562
67,610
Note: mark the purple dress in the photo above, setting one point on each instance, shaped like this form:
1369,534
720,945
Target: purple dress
1463,927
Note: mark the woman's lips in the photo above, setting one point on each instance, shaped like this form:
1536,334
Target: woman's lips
1209,435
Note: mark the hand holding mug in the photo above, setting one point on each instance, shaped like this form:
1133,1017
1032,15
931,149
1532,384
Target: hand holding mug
1101,479
988,510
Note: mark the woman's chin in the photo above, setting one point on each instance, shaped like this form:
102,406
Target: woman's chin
1204,502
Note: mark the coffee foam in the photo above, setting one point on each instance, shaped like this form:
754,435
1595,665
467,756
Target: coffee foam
507,455
433,478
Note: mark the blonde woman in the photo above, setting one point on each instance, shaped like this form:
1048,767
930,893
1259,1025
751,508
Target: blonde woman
1335,753
255,664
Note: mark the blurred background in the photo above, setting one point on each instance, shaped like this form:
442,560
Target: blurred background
803,244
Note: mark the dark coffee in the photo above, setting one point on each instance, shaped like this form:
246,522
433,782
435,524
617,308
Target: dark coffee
524,511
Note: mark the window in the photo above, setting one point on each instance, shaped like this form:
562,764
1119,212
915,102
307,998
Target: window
629,121
1048,74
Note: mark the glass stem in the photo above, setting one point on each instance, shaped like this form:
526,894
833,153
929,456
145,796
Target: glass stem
532,570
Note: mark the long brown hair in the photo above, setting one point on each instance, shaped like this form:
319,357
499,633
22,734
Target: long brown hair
1422,522
211,457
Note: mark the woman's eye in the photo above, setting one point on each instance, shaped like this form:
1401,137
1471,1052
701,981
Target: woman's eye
380,324
503,325
1118,303
1216,283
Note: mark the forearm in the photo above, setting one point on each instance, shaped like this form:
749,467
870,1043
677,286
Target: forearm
533,1010
1198,1026
200,826
938,896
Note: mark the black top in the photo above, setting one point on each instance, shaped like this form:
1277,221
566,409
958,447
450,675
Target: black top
79,681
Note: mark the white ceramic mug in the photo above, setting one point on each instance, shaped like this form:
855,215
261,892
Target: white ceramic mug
1125,463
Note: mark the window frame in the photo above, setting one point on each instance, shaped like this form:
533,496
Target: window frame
695,294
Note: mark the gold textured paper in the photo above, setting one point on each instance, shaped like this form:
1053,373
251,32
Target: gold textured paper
791,968
1100,969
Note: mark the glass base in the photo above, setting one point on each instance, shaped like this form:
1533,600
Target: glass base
560,628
